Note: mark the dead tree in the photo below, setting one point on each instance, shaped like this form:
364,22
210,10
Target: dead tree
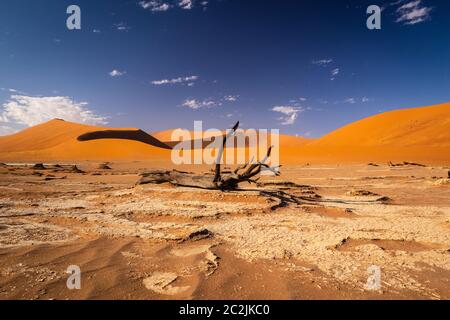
218,181
230,181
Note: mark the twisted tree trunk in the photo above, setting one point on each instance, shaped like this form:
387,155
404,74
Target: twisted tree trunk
218,181
230,181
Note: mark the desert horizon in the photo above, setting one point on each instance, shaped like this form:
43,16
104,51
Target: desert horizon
399,135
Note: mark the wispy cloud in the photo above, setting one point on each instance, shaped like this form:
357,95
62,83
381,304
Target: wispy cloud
162,5
353,100
328,64
296,102
334,73
186,4
189,79
11,90
155,5
290,114
322,62
195,104
231,98
413,12
122,26
350,100
117,73
29,111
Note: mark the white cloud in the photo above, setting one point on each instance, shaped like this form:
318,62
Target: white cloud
155,5
117,73
334,73
192,104
189,79
326,63
230,98
122,26
195,104
3,118
350,100
186,4
413,12
323,62
5,130
29,111
161,5
290,114
96,31
12,90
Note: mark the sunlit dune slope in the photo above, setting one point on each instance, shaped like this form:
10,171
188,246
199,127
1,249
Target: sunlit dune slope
427,126
57,140
45,135
418,134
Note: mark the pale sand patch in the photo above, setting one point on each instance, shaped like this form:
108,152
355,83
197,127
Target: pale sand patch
313,238
209,264
190,251
442,182
160,282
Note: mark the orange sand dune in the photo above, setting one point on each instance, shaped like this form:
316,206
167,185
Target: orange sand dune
419,134
57,140
43,136
423,127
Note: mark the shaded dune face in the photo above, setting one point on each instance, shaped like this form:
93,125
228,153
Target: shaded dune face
240,139
135,135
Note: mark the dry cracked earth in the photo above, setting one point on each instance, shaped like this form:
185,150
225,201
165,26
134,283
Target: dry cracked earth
311,234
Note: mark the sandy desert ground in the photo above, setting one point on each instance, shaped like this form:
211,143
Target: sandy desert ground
373,193
311,238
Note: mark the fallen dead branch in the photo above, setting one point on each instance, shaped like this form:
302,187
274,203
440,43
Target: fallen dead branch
220,180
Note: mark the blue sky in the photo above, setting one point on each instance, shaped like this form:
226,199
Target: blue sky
304,67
